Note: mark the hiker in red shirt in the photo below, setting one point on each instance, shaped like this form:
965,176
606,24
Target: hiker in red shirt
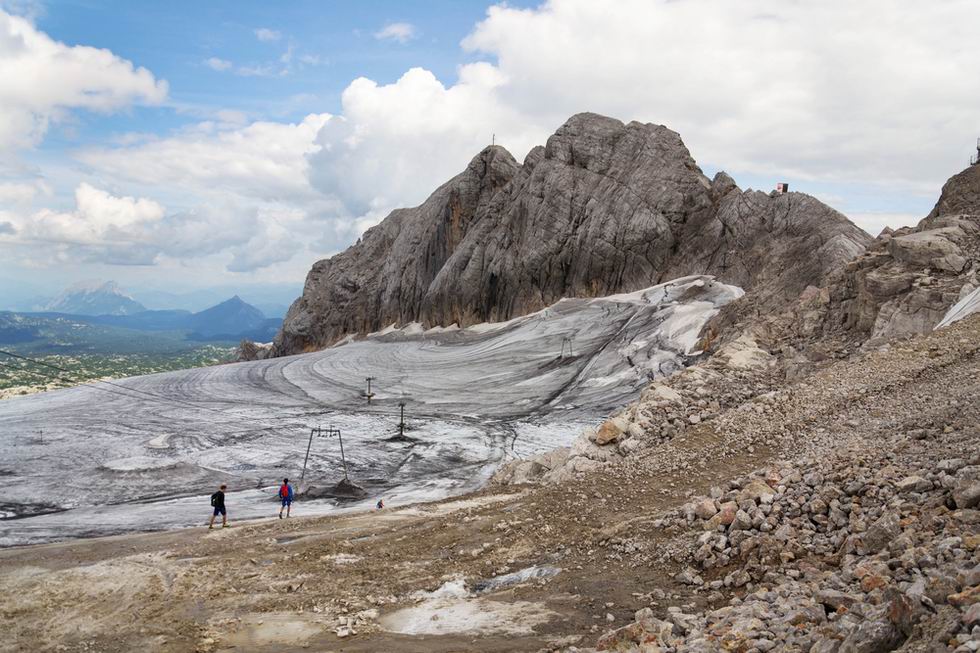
286,496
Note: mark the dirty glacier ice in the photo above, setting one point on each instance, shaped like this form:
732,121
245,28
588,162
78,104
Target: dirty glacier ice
145,456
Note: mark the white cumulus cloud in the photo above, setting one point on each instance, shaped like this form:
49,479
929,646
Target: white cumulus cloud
239,189
121,230
99,218
400,32
41,80
856,94
261,159
22,193
869,91
396,143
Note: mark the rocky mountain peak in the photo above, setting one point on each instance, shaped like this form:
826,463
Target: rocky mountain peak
94,298
603,207
597,143
961,194
494,165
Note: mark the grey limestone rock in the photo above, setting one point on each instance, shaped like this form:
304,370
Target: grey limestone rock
960,194
907,279
603,207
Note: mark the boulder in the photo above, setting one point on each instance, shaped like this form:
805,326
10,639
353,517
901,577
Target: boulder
917,311
913,484
966,491
741,522
878,636
882,532
932,248
758,491
971,618
252,351
835,599
967,597
744,353
904,611
705,509
724,517
659,392
611,430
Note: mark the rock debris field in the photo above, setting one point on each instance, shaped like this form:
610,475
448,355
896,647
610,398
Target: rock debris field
144,454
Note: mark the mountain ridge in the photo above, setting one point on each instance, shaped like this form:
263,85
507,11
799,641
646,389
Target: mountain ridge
603,207
232,319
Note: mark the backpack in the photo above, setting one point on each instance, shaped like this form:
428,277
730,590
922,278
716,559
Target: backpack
284,492
214,498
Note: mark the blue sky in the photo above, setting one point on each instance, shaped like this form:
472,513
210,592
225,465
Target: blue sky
176,39
179,146
327,46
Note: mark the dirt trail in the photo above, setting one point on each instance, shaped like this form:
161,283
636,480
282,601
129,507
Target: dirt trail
284,585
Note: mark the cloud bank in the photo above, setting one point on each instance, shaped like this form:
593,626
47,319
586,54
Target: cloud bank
872,94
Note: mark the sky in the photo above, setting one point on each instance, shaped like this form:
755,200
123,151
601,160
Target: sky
184,145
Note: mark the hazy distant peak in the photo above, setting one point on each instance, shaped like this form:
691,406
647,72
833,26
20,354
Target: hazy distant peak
229,317
95,297
94,286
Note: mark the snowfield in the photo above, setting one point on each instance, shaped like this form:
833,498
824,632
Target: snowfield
86,461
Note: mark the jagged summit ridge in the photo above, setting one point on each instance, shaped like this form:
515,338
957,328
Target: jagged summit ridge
602,207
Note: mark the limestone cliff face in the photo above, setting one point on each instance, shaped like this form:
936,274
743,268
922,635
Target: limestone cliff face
603,207
907,279
384,277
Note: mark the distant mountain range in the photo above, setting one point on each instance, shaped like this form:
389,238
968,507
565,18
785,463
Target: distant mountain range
273,300
102,297
231,320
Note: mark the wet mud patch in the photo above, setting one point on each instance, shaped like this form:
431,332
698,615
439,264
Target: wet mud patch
514,578
271,630
452,609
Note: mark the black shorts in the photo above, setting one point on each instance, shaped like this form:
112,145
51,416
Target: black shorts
219,510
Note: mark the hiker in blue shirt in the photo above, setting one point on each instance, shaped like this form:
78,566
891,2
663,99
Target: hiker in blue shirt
286,496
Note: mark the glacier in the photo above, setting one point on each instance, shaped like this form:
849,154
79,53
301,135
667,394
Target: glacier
145,454
966,306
